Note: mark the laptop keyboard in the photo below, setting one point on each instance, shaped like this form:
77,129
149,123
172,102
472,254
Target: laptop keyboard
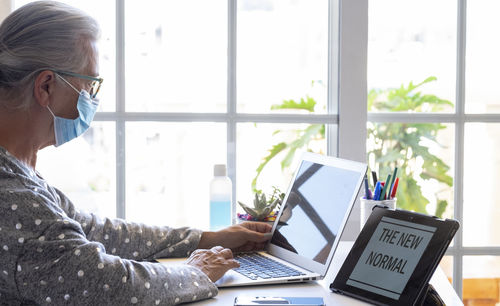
254,266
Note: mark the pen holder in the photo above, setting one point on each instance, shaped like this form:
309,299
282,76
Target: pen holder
367,206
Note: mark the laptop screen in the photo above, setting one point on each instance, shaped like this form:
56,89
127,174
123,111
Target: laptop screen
314,210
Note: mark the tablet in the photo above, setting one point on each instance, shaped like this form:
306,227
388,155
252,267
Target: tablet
394,257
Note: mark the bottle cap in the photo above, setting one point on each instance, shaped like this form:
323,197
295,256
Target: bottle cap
220,170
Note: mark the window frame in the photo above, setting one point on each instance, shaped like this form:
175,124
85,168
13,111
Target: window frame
347,90
459,118
340,134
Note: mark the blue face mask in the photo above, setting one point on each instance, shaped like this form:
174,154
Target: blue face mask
68,129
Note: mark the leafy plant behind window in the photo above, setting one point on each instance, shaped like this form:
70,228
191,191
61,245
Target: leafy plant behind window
396,144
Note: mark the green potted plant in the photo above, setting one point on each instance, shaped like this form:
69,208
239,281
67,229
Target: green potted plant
397,144
264,208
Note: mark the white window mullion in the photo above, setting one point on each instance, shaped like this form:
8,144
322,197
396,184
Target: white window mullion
352,91
120,109
333,76
459,144
352,78
231,97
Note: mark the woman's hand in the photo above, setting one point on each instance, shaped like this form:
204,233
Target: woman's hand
248,236
214,262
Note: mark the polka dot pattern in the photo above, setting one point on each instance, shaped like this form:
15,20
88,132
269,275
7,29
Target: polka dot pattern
67,265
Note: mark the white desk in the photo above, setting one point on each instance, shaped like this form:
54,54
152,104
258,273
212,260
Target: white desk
321,288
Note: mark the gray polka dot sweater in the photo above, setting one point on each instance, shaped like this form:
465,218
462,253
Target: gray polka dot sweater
50,253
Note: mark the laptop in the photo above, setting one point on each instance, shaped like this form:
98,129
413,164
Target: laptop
308,227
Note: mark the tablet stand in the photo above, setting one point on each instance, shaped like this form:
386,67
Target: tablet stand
431,298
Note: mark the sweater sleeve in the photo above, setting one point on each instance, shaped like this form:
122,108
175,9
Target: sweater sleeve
59,264
49,256
132,240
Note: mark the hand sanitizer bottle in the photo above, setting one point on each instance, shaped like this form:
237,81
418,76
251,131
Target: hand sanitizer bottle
220,199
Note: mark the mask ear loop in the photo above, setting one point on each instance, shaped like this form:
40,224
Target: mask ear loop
51,111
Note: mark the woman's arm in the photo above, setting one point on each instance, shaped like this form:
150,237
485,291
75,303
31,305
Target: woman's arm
133,240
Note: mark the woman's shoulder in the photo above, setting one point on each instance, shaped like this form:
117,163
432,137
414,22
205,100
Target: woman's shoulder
21,194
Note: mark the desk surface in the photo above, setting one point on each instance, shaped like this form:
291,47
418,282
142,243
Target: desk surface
321,288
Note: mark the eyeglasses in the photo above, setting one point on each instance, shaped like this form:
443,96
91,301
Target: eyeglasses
95,85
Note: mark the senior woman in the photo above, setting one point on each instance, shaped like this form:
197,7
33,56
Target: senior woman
49,251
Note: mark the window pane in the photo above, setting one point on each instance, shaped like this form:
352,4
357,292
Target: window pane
253,144
481,280
168,171
409,41
481,168
282,53
424,154
176,55
84,169
103,12
482,62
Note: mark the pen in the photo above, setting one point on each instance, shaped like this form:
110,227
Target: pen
376,193
389,191
395,188
382,195
374,176
367,190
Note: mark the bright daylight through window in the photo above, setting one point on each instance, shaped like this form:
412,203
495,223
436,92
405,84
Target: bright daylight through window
433,112
252,84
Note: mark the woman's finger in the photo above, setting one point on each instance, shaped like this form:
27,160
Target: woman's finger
217,249
226,253
231,264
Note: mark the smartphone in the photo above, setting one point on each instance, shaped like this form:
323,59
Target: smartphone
271,301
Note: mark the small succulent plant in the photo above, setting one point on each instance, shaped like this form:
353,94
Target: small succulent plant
263,207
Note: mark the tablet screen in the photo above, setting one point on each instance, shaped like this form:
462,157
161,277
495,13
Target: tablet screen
390,257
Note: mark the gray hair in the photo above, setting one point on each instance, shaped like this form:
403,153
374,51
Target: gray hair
43,35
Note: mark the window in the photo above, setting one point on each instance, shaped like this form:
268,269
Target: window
450,46
189,84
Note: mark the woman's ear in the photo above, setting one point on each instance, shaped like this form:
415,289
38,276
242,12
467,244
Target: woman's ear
44,87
